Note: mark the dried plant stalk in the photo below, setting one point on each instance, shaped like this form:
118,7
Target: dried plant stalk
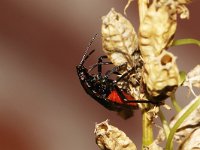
156,33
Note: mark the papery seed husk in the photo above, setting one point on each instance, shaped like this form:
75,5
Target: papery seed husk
119,39
109,137
156,31
161,73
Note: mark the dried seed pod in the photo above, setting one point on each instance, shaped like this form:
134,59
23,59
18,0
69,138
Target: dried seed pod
119,38
156,31
193,79
120,44
159,25
161,75
190,124
176,6
109,137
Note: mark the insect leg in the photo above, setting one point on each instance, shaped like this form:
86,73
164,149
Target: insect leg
100,60
99,64
115,70
125,74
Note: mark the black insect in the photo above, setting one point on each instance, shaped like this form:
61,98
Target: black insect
104,89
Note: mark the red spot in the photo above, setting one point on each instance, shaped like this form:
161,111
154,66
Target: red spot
114,97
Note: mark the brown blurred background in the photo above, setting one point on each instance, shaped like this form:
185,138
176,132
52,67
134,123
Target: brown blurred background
42,104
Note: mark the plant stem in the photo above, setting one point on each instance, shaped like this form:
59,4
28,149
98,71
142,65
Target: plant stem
185,42
175,104
147,136
164,123
180,121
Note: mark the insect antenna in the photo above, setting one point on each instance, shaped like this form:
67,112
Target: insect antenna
85,56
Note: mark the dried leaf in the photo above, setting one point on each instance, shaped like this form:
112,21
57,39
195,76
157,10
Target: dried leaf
192,142
193,79
190,124
160,138
109,137
153,146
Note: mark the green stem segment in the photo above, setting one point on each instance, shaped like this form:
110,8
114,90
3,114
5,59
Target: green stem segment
175,104
147,137
185,42
180,121
164,123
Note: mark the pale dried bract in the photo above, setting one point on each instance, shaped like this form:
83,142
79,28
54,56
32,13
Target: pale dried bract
109,137
161,73
156,30
119,38
176,6
159,25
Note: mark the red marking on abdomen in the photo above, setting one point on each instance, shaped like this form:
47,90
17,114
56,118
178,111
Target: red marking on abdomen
114,97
